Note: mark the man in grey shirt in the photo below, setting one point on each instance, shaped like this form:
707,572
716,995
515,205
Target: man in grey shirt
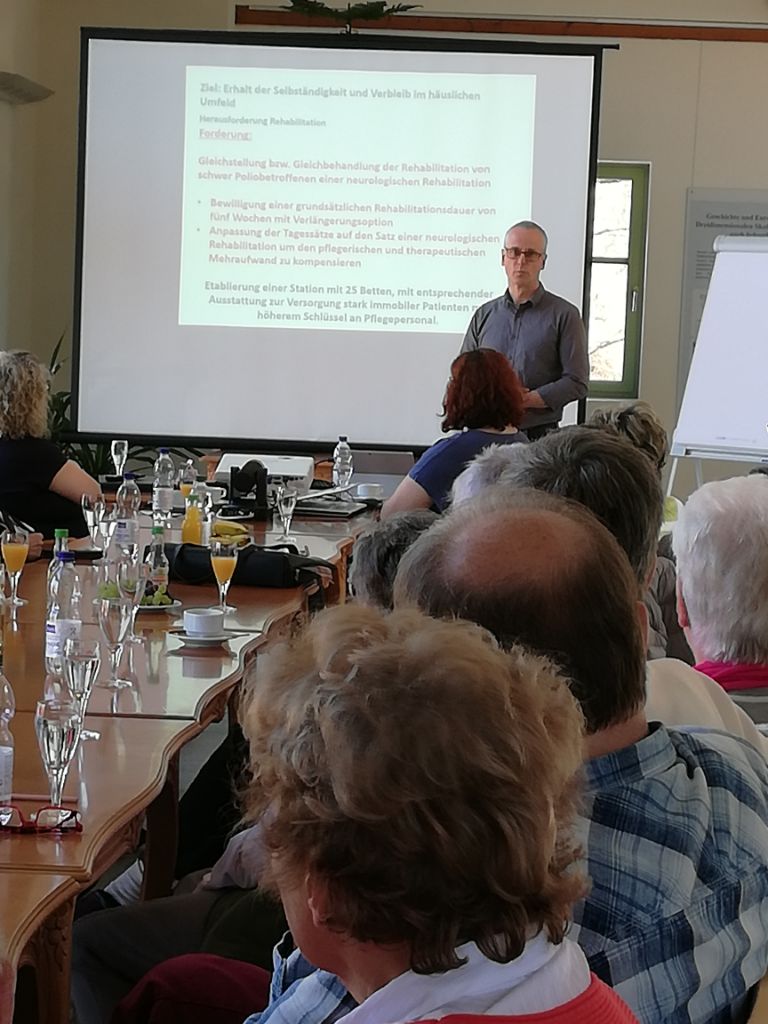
541,334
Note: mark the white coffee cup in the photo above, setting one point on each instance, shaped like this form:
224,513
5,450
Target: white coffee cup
204,622
370,491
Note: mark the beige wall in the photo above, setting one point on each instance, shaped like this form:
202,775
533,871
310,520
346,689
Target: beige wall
696,111
19,49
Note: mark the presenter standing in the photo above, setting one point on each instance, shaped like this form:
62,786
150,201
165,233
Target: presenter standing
541,334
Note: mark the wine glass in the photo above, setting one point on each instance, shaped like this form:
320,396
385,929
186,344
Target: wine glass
81,663
223,561
187,477
114,620
15,547
119,456
93,510
107,524
57,725
132,579
286,503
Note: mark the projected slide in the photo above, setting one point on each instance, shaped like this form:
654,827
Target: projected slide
338,198
283,237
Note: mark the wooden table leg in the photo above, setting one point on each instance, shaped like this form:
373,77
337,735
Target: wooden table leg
42,991
162,836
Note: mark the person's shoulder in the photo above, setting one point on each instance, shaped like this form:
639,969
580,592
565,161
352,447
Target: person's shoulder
682,697
30,445
483,310
558,303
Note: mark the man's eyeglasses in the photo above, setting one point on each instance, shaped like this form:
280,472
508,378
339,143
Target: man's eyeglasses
513,253
47,819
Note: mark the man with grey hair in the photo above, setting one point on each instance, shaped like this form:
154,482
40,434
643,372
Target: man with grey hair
721,544
674,825
377,553
618,484
540,333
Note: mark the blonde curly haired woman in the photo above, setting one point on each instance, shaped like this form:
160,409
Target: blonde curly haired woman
38,483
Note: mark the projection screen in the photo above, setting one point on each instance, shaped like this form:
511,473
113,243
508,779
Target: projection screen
282,238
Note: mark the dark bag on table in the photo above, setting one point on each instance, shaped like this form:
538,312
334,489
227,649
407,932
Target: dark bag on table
256,567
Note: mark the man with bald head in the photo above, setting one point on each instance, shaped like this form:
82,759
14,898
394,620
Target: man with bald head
674,825
540,333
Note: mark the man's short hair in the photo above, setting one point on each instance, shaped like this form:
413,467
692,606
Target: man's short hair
604,473
720,541
377,553
484,470
529,225
393,759
640,425
541,571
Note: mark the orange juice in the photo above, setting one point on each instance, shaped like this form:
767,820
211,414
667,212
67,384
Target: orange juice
15,555
192,527
223,566
185,488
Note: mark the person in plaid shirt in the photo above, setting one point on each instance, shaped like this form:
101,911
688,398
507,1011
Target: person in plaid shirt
674,827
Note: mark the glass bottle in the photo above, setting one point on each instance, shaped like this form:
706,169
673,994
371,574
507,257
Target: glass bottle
192,527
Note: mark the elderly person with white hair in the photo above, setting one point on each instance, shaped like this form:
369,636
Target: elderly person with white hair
721,545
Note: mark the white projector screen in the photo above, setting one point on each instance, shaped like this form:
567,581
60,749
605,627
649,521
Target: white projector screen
283,238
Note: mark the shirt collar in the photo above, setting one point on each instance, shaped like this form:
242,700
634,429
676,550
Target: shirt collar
735,675
534,300
653,755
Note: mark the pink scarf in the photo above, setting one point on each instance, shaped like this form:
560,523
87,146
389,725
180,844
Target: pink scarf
735,676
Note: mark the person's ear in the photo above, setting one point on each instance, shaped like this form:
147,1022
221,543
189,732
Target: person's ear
317,901
543,261
680,606
642,618
502,257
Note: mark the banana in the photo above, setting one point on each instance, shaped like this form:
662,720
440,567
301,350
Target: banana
224,529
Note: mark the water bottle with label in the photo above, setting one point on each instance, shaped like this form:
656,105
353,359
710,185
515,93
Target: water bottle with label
64,614
156,591
7,711
128,503
342,463
162,488
60,543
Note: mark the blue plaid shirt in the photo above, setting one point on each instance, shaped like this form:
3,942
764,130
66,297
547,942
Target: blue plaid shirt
675,831
299,993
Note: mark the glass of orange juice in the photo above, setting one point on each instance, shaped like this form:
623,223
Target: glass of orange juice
15,548
187,477
223,561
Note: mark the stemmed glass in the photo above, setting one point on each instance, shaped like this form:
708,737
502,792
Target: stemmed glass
81,663
114,620
187,477
286,503
93,510
119,456
132,579
57,725
223,561
15,548
107,524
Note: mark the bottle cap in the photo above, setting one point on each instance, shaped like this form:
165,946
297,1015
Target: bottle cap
129,476
342,437
163,451
66,556
60,534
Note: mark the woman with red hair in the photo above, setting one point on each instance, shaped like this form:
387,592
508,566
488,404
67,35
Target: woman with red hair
484,401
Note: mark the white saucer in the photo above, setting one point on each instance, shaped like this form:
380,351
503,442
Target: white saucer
195,640
173,607
235,517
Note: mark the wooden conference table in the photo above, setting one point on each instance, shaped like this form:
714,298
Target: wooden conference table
131,772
